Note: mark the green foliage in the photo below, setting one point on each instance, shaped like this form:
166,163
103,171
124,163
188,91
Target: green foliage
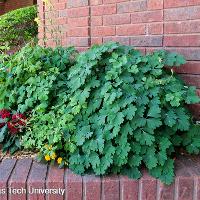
128,110
35,83
9,142
108,110
18,26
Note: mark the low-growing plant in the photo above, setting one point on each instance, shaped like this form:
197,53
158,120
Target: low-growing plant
128,110
18,26
107,110
35,81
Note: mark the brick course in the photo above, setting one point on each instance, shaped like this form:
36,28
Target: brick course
26,173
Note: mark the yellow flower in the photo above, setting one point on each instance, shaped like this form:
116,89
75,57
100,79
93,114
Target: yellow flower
59,160
46,1
37,20
47,158
50,147
53,156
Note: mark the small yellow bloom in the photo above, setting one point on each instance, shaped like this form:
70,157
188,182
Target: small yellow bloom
37,20
47,158
50,147
53,156
46,1
59,160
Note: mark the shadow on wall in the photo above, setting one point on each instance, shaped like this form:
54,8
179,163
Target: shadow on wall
8,5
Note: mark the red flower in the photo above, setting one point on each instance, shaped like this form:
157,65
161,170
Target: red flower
2,125
12,128
4,113
19,119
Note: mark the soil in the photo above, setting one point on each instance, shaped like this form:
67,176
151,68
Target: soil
18,155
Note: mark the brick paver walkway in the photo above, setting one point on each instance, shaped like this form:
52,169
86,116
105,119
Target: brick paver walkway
27,179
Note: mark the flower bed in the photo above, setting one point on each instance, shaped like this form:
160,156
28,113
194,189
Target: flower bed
107,110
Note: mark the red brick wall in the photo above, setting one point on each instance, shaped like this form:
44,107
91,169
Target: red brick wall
1,8
146,24
14,4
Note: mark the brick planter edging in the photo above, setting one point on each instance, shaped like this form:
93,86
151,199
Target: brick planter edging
26,174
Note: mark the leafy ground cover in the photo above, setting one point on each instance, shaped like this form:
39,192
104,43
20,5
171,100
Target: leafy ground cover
107,110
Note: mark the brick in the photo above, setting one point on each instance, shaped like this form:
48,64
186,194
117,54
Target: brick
113,1
64,42
73,185
95,2
180,14
51,16
150,16
78,41
91,187
192,54
59,6
191,79
37,179
148,187
141,49
55,180
110,188
179,3
129,30
183,183
78,22
191,164
195,110
146,41
96,20
103,9
165,192
96,40
182,40
198,93
154,4
82,49
182,27
103,31
6,168
19,177
191,67
155,29
62,13
121,40
131,6
128,188
76,3
61,21
116,19
78,32
78,12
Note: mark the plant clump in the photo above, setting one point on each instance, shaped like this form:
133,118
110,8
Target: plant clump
107,110
17,27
